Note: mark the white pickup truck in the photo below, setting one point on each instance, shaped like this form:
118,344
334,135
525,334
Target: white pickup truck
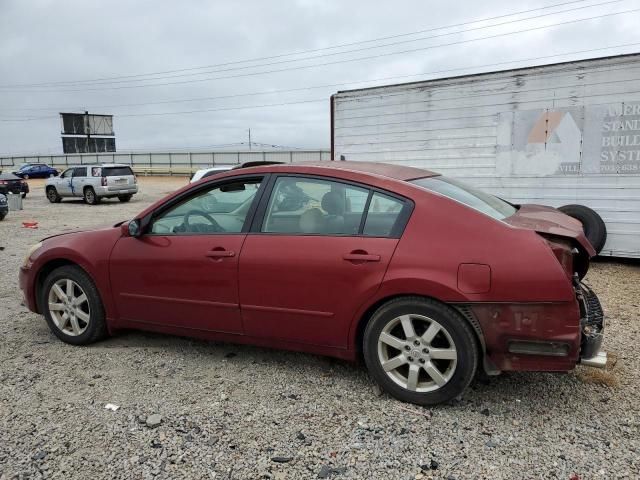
93,183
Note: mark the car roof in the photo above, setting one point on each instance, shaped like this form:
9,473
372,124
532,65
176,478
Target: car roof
397,172
102,165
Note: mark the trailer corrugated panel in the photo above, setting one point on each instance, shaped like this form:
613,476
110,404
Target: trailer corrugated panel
555,134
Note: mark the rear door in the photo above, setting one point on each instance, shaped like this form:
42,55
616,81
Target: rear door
314,256
79,181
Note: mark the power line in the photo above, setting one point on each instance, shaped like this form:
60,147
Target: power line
430,47
358,49
70,82
341,84
182,112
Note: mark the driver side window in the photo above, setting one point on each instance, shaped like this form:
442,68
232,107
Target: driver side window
221,209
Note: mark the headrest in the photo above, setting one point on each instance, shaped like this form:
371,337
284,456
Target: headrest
333,203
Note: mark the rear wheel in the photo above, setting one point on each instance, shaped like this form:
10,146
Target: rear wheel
594,228
2,215
72,306
124,198
52,195
90,196
420,351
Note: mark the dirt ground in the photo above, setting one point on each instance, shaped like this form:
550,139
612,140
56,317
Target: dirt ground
239,412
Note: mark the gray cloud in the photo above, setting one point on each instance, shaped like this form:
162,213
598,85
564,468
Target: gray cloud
47,41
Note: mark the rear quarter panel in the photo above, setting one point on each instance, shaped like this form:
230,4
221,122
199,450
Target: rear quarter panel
526,280
442,234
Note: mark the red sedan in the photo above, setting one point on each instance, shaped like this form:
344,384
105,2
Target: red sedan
429,280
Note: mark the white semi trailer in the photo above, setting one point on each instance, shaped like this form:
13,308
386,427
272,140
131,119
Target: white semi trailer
566,134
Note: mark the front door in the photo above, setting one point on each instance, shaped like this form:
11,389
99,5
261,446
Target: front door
315,259
183,272
63,182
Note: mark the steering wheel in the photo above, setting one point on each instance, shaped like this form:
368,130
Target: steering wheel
185,221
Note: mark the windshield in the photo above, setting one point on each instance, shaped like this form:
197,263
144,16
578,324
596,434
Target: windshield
476,199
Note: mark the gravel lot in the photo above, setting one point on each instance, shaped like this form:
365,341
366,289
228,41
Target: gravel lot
237,412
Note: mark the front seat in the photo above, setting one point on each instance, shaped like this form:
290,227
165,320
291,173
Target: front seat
312,221
333,204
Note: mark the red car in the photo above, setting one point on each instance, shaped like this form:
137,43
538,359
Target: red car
429,280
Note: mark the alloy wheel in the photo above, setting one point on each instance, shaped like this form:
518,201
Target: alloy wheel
69,307
417,353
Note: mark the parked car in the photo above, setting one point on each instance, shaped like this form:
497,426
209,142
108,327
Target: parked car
93,183
207,172
10,183
4,208
429,280
35,170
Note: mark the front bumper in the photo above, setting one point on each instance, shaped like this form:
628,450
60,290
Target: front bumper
27,287
592,325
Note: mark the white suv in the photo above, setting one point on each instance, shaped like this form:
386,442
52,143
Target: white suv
93,183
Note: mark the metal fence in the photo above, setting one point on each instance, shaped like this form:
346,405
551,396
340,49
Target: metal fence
169,162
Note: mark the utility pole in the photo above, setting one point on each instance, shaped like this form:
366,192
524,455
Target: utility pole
249,139
88,130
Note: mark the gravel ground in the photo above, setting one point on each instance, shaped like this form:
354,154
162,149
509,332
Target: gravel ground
191,409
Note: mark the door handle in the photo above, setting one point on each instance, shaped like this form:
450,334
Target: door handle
360,256
220,253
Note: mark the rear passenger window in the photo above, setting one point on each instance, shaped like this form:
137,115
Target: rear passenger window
382,216
307,206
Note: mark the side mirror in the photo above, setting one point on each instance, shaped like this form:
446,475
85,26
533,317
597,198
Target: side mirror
131,228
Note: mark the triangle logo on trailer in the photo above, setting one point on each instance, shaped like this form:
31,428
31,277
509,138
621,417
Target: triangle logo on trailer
556,127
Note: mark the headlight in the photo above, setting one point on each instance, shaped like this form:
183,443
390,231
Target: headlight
31,252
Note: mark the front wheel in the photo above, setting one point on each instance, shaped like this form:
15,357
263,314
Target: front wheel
420,351
72,306
52,195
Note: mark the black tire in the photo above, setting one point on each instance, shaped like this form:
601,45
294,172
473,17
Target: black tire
96,328
90,196
457,329
2,215
124,198
52,195
594,228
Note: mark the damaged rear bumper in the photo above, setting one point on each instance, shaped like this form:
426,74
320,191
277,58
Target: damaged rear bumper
592,324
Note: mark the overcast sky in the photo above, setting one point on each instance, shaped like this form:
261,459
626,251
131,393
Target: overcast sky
63,56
